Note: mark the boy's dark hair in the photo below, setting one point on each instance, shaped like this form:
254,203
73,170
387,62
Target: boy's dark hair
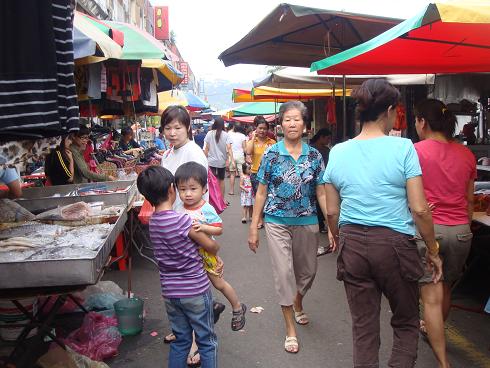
154,184
192,170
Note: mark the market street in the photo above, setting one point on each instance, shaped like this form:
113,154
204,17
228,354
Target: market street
325,342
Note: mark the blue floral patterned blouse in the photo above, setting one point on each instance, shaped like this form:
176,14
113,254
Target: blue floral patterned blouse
291,185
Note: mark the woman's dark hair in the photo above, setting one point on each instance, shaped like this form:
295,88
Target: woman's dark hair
192,170
259,119
436,114
219,126
179,113
126,131
154,183
296,105
374,97
324,132
83,130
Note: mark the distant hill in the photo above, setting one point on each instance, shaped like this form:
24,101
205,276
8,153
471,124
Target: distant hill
219,92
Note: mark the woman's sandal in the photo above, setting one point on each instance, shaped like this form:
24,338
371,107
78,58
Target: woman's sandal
238,319
244,220
291,345
191,356
260,226
301,318
170,338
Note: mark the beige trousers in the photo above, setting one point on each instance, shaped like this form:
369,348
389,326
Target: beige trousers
293,256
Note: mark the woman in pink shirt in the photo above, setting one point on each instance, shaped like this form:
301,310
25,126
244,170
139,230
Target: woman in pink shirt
448,174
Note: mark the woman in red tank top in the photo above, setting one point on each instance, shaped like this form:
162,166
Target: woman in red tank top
448,174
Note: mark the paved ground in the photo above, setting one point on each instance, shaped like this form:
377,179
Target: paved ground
325,342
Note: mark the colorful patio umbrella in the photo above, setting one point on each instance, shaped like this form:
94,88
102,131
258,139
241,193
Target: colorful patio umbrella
250,119
264,92
116,35
90,40
139,44
177,97
245,95
257,108
443,38
173,75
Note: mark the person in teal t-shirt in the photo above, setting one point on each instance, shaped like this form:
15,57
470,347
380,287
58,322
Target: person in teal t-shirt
371,182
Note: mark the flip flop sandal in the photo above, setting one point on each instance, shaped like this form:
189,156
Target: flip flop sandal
291,342
170,338
301,318
261,226
192,355
244,220
238,319
218,308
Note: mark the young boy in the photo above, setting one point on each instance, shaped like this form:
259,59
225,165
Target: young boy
185,285
191,179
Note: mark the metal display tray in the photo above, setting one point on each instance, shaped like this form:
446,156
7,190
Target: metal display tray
60,272
43,198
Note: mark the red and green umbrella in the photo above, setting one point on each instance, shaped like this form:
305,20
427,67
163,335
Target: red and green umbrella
443,38
90,40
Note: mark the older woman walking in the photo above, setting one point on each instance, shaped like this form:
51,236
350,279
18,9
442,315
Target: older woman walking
290,184
372,181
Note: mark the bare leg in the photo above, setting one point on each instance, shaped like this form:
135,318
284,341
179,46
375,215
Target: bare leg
250,212
227,290
194,356
222,187
432,298
287,312
232,182
446,303
244,213
298,302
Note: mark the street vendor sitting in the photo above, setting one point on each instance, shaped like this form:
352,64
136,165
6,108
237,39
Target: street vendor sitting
128,144
82,173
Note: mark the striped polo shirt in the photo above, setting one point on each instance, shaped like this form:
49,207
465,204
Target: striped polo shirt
181,268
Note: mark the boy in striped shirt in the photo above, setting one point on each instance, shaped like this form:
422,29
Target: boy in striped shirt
185,285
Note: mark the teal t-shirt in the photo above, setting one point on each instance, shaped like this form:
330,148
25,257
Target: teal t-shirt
371,177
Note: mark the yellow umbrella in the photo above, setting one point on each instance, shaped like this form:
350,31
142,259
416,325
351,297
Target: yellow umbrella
170,98
290,94
166,68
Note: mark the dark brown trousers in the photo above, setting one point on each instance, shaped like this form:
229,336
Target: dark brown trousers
375,261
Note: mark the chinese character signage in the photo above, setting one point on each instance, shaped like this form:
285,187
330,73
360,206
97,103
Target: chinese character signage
184,68
161,23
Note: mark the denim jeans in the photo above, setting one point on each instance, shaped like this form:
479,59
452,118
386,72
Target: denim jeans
187,315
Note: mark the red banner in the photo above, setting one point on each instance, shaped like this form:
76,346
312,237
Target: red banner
162,31
184,68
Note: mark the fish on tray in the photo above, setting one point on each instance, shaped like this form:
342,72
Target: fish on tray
17,244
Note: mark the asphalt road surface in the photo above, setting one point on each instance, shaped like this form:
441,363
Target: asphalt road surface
325,342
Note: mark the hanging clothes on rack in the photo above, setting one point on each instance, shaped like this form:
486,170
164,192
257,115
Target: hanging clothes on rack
401,118
331,111
37,89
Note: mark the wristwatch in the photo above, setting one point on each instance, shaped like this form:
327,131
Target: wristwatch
435,251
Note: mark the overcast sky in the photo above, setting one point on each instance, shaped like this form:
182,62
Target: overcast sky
205,28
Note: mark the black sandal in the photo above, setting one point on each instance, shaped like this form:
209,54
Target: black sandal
218,308
238,319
